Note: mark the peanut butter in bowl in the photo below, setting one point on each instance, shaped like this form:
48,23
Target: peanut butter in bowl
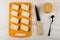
47,7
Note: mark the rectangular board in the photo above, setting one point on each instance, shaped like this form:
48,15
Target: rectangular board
18,7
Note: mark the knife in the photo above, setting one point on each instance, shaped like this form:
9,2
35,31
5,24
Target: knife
39,26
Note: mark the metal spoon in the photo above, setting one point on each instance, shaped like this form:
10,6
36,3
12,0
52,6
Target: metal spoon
52,17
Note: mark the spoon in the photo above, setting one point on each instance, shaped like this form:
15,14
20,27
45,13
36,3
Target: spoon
52,19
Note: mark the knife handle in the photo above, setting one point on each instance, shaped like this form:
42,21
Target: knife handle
40,32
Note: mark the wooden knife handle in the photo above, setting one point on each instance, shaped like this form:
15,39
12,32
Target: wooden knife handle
40,32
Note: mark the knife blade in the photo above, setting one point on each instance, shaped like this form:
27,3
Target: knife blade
39,26
37,14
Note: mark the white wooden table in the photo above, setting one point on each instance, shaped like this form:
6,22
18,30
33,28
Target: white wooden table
55,32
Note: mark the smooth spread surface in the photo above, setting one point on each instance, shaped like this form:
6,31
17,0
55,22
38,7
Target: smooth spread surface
14,13
24,27
15,7
15,20
26,21
25,7
13,26
47,7
25,14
